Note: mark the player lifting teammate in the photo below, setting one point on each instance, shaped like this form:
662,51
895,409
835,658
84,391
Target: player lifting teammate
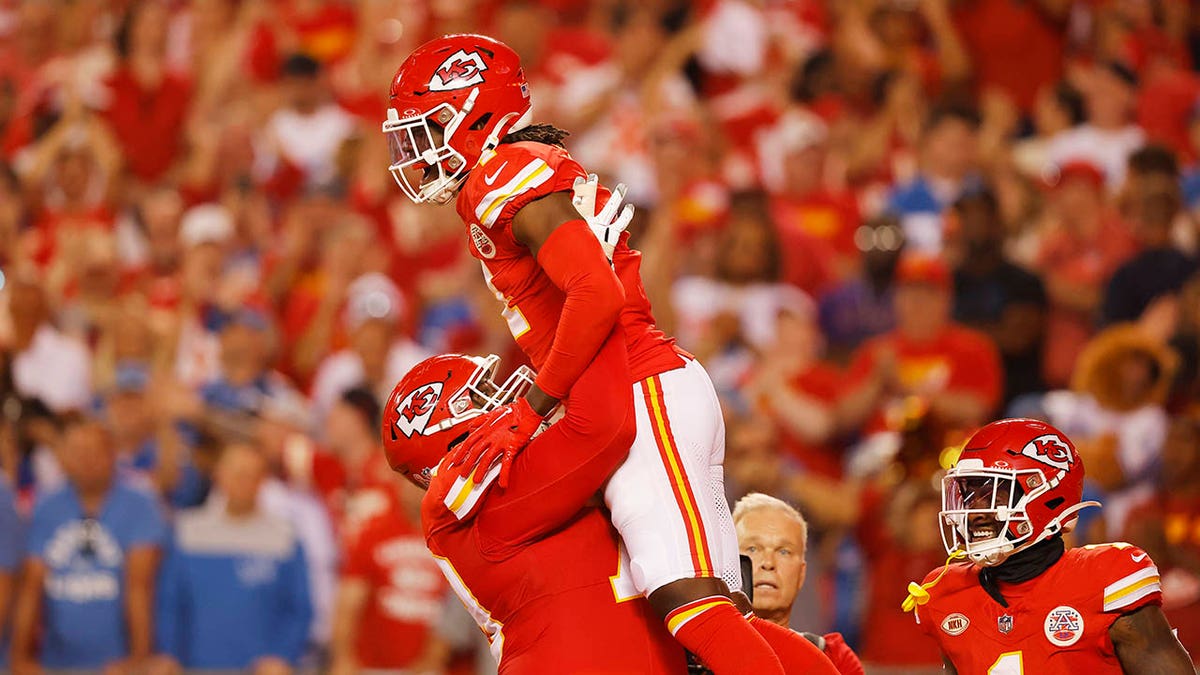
460,127
1024,603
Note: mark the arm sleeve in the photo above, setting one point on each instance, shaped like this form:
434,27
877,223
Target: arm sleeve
1133,579
573,260
171,619
296,612
564,466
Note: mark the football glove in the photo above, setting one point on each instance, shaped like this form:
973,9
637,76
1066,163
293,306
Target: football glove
498,437
608,224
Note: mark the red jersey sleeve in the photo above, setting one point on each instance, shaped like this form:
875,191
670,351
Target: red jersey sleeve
844,658
1130,578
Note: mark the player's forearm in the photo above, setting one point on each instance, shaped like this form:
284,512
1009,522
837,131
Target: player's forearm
541,402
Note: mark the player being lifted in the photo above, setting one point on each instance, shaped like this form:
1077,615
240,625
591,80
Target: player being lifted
1024,603
460,127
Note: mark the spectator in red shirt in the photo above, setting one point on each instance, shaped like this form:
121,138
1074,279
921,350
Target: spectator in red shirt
1016,47
775,538
799,391
794,159
1075,261
148,104
390,594
956,369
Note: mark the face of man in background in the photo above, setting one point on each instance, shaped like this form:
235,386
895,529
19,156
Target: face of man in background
88,457
240,473
774,541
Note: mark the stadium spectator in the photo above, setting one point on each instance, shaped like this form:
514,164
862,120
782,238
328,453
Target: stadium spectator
947,166
1110,135
390,591
995,296
1159,270
1115,412
46,364
233,593
861,308
775,537
12,545
87,585
149,447
1075,260
304,134
379,352
1167,526
956,369
148,103
798,390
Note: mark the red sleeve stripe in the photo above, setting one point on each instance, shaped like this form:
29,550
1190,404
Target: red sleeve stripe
685,499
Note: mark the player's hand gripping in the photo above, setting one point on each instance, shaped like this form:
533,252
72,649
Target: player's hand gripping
608,224
497,436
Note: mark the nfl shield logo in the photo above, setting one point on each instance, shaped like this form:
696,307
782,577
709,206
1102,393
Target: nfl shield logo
1004,623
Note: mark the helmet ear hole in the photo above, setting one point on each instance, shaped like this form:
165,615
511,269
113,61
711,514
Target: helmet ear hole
1053,504
480,123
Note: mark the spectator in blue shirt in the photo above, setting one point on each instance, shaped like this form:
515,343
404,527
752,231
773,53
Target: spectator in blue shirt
150,449
234,588
948,165
11,546
89,571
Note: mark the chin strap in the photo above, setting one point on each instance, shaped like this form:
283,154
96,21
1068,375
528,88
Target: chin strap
918,594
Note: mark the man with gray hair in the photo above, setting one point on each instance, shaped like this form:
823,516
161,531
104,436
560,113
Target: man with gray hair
774,536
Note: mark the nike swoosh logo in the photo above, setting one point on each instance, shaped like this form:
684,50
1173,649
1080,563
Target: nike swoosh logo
492,178
1138,558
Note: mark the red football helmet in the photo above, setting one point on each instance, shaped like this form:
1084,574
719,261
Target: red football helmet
1017,482
423,413
451,101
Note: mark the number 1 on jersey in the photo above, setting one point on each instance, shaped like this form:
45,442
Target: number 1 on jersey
1009,663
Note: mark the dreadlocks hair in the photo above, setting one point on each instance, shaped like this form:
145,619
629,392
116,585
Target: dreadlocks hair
538,133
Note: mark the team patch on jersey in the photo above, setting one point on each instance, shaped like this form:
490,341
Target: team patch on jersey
416,409
955,624
460,71
1004,624
1064,626
1049,449
482,242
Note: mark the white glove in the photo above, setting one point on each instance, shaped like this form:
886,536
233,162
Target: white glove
608,224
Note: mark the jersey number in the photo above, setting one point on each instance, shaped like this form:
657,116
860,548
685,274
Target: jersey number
1008,664
518,325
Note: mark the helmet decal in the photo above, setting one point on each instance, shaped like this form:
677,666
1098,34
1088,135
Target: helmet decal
1051,450
460,71
416,408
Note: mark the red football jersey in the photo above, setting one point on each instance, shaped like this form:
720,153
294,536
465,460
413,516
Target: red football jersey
507,179
537,563
560,599
1055,623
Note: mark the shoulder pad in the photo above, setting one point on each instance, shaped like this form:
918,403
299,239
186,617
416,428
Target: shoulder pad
508,172
1130,577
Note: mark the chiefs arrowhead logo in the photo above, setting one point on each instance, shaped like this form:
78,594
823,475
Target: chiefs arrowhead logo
460,71
1049,449
416,408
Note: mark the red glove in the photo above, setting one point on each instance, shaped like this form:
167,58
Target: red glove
499,436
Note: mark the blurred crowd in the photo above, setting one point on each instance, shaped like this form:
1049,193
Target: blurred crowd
879,224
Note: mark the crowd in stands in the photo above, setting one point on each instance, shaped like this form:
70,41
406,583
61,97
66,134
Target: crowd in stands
878,223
